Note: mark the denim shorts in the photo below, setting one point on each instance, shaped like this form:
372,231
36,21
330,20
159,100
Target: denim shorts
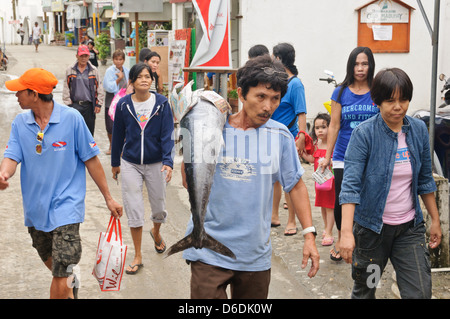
63,245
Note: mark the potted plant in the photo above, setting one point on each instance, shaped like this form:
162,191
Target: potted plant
103,47
70,37
233,100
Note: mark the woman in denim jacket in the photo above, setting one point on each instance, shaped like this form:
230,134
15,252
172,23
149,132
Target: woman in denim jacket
387,165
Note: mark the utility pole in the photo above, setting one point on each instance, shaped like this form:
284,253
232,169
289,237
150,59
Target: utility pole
14,9
434,33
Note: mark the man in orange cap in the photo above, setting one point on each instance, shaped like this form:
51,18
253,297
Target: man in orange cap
54,147
82,89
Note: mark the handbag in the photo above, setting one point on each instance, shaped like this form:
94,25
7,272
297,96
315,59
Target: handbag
112,108
327,186
110,257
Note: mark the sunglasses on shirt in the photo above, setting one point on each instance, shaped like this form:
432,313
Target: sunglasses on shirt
40,139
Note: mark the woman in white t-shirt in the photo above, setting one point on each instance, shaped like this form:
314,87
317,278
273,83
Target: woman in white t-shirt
141,151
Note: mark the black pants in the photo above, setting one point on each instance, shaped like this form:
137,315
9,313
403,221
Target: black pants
404,245
338,177
87,111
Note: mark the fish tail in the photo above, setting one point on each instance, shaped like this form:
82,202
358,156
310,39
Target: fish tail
205,242
181,245
217,246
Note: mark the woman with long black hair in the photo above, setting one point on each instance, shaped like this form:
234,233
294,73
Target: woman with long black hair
351,104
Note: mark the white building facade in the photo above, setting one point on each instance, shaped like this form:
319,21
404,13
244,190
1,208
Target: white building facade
27,12
324,32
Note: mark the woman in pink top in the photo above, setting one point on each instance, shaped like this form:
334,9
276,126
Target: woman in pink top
387,168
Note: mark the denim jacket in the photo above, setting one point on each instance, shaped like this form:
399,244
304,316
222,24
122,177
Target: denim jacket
369,165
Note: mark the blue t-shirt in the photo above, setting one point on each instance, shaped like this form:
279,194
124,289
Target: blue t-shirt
54,182
239,211
292,104
355,109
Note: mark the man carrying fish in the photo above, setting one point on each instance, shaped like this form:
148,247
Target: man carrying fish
228,241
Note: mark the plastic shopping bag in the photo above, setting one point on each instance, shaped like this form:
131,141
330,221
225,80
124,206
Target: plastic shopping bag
116,98
110,257
182,99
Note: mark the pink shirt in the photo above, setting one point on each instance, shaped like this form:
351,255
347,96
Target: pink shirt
399,207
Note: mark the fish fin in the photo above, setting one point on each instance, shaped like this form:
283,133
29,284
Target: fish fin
207,242
181,245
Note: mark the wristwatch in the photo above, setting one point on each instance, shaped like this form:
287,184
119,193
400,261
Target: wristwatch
308,230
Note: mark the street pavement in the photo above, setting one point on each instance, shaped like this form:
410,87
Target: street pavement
25,277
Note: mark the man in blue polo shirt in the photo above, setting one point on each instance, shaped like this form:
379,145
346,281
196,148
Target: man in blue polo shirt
54,146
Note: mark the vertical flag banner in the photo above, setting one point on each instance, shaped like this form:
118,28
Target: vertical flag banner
214,49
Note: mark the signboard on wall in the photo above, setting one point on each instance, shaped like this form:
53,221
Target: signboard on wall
57,6
214,49
384,26
185,34
140,6
384,12
177,52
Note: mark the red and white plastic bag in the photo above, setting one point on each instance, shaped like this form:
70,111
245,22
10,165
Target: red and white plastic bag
110,257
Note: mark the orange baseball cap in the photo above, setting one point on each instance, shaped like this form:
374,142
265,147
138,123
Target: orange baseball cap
36,79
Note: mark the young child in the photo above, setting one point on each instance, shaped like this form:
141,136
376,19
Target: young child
325,192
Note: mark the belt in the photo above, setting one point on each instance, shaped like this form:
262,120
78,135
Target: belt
83,103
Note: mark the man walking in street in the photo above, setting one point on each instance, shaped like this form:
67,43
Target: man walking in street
36,36
82,89
54,147
240,219
21,32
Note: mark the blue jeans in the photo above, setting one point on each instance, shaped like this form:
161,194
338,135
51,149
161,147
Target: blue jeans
405,246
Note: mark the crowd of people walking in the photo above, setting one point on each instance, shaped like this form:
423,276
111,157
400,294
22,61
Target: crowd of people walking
376,152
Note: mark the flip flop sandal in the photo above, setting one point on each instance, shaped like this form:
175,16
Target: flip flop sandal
158,250
133,272
327,241
335,254
275,225
287,232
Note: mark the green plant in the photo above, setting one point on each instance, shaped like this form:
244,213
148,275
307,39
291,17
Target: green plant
59,36
70,37
232,94
102,45
143,35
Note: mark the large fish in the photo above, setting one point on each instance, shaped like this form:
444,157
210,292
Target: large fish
201,133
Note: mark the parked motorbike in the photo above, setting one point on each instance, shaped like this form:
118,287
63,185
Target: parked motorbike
445,91
329,79
442,130
3,61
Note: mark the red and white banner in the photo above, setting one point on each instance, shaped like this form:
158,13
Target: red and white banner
214,49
